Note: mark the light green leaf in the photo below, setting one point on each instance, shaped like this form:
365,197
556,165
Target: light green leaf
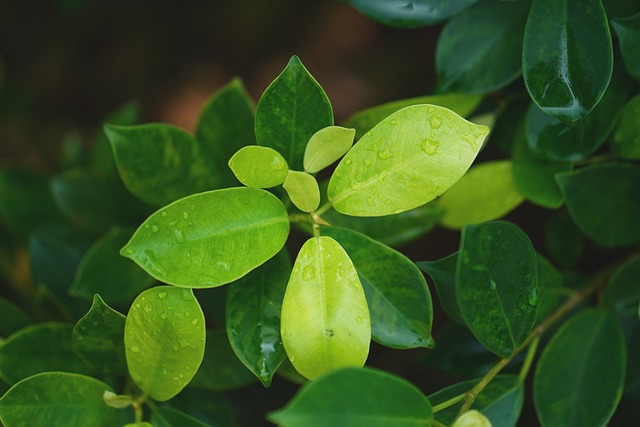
57,399
356,398
484,193
12,318
195,241
407,160
622,293
628,30
326,146
260,167
626,139
325,320
170,417
303,190
164,340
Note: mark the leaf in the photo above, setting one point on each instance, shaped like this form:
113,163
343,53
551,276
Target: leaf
567,57
207,406
603,201
549,288
303,190
260,167
325,321
479,50
399,301
43,347
103,271
484,193
164,340
622,293
497,285
628,31
98,338
290,111
57,399
460,103
626,138
252,311
580,374
412,13
142,424
443,274
326,146
356,398
384,173
170,417
563,239
12,318
195,241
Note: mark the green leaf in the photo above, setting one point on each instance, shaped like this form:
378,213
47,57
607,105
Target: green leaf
326,146
549,288
563,239
12,318
160,163
459,103
98,338
443,274
170,417
290,111
101,156
43,347
567,57
398,297
626,139
386,171
325,321
580,375
484,193
57,399
479,50
253,310
603,201
623,291
303,190
412,13
497,285
260,167
195,241
208,406
628,31
356,398
103,271
164,340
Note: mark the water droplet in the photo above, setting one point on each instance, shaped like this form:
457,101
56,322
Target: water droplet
367,162
137,305
435,121
431,109
533,297
172,223
154,228
223,265
347,162
292,359
162,295
130,251
429,146
163,316
393,122
368,133
384,154
134,348
309,272
492,285
195,322
163,214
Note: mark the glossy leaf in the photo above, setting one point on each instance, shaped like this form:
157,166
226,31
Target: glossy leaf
567,57
101,156
497,285
626,139
603,201
549,288
484,193
12,318
43,347
325,321
170,417
98,338
623,290
57,399
290,111
252,311
399,301
326,146
303,190
103,271
356,398
164,340
479,50
195,241
260,167
407,160
580,374
564,240
410,14
628,31
443,274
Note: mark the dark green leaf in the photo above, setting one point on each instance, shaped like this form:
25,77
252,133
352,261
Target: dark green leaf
508,125
412,13
12,318
567,57
563,239
443,274
208,406
356,398
579,378
626,139
479,50
170,417
617,8
623,291
628,31
290,111
497,285
549,288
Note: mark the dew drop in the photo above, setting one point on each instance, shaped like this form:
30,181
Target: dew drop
492,285
384,154
292,359
368,133
347,162
223,265
154,228
429,146
185,215
532,299
172,223
163,214
195,322
130,251
134,348
308,273
163,316
137,305
162,295
393,122
435,121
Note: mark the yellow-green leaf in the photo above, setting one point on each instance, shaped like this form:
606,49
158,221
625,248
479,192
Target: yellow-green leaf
303,190
260,167
326,146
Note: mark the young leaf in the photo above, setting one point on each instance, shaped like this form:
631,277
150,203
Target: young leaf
497,285
326,146
580,375
484,193
628,31
443,274
384,173
260,167
567,57
325,320
57,399
626,139
169,417
290,110
303,190
195,241
623,291
12,318
397,295
164,340
252,312
356,398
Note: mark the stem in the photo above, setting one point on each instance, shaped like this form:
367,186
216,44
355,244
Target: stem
471,395
137,407
316,230
322,209
531,353
447,403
